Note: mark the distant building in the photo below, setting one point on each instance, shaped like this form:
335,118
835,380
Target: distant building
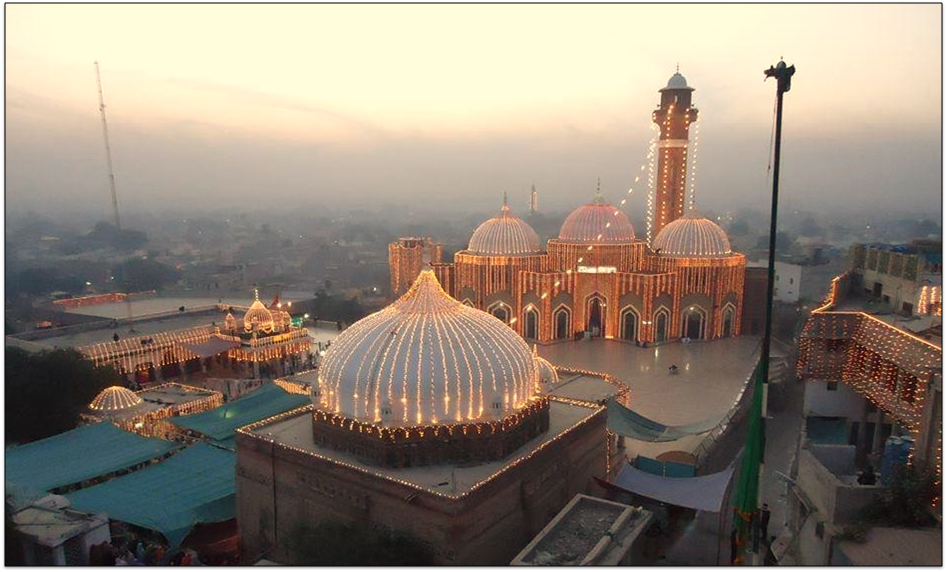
788,281
533,201
52,534
407,257
905,278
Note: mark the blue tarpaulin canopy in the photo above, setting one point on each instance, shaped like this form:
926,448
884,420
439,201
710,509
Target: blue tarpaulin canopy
221,423
193,486
79,455
700,493
624,421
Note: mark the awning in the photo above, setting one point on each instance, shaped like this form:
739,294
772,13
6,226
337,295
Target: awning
79,455
195,485
700,493
221,423
626,422
213,346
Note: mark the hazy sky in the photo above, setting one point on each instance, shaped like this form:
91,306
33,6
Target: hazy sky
454,104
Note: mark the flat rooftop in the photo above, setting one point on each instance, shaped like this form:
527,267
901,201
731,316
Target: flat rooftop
581,386
451,480
896,547
156,305
572,535
709,379
912,324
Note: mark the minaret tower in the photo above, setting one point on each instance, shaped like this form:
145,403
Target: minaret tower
673,118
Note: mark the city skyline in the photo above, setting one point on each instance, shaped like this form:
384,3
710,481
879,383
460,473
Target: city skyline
453,105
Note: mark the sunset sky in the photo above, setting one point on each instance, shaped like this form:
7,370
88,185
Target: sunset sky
346,105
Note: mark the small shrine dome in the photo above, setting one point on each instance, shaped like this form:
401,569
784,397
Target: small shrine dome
114,399
692,236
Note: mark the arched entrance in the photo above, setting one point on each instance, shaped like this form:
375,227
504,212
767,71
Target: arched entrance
693,323
629,324
595,310
729,316
530,323
662,317
563,320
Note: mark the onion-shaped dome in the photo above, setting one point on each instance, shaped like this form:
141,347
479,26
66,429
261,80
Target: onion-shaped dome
504,235
597,222
677,81
230,322
258,317
426,359
692,237
114,399
547,373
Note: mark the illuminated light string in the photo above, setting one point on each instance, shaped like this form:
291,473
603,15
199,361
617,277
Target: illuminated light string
249,431
892,368
413,342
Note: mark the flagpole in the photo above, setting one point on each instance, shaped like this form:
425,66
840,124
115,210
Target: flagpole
751,469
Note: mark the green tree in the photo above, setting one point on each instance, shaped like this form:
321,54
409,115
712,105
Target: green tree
907,501
45,392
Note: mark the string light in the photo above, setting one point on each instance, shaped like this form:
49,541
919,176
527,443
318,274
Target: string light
406,259
890,367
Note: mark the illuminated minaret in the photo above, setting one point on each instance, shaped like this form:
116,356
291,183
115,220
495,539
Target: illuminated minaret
533,201
673,118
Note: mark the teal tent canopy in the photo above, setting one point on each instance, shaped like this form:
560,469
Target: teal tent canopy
626,422
79,455
193,486
221,423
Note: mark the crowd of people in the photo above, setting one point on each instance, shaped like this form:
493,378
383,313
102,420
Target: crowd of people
142,553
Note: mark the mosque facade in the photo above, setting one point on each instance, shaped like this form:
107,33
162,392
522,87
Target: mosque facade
597,277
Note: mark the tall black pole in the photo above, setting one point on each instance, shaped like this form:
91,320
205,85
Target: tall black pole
783,75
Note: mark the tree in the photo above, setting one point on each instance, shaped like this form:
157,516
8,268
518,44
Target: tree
45,392
907,501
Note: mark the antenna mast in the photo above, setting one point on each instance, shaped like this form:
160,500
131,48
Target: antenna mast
108,149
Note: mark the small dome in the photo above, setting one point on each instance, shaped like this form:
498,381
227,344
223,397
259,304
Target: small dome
692,237
426,359
677,81
115,398
258,316
547,373
505,235
597,222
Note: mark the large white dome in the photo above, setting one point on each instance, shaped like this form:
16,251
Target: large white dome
505,235
427,359
692,237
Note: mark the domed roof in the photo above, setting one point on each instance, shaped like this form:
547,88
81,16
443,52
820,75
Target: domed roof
427,359
506,235
258,313
692,237
547,373
677,81
115,398
597,222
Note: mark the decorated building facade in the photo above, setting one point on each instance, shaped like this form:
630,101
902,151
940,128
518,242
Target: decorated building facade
598,277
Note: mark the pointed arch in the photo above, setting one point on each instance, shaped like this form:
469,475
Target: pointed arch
694,322
530,322
662,323
595,315
500,311
728,320
629,321
562,322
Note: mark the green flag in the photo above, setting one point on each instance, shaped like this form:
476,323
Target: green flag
748,484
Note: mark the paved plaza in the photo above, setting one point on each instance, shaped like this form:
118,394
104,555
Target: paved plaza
709,379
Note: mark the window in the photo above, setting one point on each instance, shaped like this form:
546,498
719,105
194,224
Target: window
790,281
831,385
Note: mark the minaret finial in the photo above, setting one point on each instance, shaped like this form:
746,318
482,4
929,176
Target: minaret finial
504,198
678,68
256,293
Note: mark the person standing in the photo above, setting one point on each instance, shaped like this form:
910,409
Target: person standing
764,523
